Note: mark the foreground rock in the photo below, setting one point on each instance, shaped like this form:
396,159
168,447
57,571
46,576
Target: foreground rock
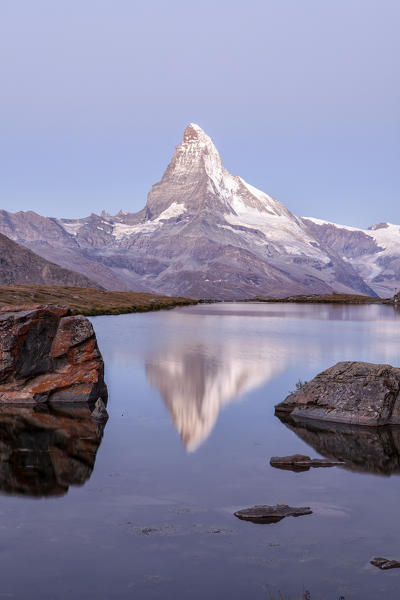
301,462
350,392
47,355
385,563
46,449
271,514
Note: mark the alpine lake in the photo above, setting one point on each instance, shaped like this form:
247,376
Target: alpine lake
144,507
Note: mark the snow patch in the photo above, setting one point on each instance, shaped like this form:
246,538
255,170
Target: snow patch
71,228
120,230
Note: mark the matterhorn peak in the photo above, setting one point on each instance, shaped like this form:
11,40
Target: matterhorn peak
196,181
194,132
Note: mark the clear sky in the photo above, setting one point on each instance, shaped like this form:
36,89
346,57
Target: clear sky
302,98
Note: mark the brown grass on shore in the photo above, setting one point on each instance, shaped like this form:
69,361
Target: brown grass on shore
88,301
327,299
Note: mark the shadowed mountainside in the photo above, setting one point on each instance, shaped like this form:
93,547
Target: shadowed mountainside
19,265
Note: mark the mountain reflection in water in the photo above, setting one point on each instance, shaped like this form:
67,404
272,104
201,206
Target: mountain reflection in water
44,450
197,381
364,449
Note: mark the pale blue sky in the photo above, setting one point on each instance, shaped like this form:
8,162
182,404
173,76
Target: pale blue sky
302,98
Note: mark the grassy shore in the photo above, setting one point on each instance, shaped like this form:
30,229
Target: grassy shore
88,301
327,299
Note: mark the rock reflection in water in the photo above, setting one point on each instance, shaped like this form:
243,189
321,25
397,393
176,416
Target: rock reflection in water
197,381
44,450
363,449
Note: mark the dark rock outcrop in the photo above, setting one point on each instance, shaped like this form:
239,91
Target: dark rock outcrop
362,449
301,462
45,449
350,392
262,513
48,355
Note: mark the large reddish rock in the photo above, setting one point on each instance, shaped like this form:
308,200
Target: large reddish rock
47,355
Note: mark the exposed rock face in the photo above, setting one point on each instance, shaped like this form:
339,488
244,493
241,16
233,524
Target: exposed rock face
21,265
350,392
203,233
271,514
48,355
361,449
44,450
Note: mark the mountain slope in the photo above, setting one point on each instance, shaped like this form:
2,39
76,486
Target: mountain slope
21,265
374,253
202,233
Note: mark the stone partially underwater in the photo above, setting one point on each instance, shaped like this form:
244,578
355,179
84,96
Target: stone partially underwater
45,449
301,462
356,393
263,513
373,450
47,355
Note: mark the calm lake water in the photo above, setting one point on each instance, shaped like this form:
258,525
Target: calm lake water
191,431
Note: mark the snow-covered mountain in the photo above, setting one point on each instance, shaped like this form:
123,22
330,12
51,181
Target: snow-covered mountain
202,233
374,252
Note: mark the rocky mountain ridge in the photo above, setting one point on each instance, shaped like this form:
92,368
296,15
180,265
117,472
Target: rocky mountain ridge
203,233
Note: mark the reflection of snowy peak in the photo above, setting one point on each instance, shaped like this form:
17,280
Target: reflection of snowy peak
203,233
196,385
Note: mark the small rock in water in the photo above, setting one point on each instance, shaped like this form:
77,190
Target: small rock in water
271,514
384,563
100,411
301,462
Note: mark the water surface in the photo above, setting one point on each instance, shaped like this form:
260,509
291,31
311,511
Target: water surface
144,509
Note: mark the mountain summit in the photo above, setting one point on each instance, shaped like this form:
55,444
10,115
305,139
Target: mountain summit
196,180
203,233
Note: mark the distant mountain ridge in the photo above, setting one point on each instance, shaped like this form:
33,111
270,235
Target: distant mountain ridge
374,252
205,233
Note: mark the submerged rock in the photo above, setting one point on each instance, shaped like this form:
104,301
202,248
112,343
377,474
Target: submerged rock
301,462
356,448
358,393
48,355
271,514
385,563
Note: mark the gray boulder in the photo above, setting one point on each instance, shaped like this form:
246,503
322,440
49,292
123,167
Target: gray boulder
358,393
